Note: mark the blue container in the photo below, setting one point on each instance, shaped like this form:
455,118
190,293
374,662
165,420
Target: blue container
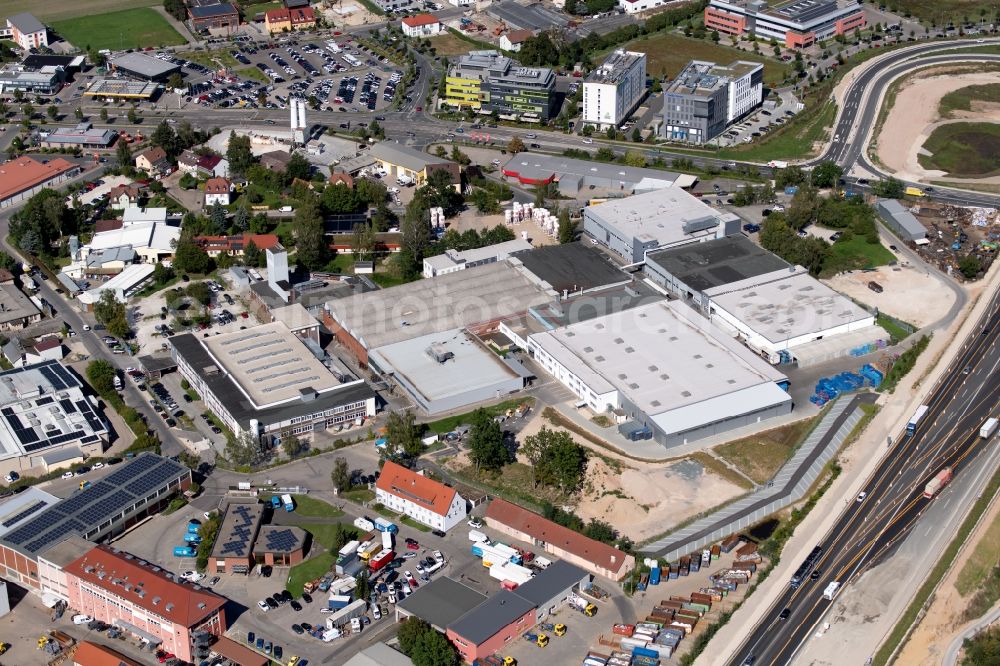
192,538
654,576
193,527
184,551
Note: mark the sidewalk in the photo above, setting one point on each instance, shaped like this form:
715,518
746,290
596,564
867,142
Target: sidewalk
858,462
790,485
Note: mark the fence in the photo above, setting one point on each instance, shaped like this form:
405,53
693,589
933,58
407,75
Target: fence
789,485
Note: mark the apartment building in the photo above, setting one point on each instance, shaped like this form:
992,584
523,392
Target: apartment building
613,91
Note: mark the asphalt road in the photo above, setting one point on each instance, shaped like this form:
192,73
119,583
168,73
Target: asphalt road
868,531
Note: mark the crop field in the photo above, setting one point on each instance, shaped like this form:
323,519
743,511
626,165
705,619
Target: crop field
964,149
668,53
448,44
944,11
125,29
60,11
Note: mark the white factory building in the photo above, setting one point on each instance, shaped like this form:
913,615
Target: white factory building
455,260
663,371
669,217
788,313
613,91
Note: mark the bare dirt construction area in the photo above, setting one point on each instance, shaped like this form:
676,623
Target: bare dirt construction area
641,500
916,113
909,292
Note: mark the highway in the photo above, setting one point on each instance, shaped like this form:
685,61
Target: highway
868,531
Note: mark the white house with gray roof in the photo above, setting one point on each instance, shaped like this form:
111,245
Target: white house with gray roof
26,31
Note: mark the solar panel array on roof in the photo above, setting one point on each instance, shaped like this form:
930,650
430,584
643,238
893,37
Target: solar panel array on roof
67,406
21,515
238,543
89,509
281,540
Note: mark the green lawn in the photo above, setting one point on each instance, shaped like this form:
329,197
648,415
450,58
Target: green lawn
667,53
253,73
897,332
856,253
359,495
447,44
794,140
127,29
761,456
311,507
324,533
962,99
969,150
980,562
48,12
306,571
406,520
213,58
385,511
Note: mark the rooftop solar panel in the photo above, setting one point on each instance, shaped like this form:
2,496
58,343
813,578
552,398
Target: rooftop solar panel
21,515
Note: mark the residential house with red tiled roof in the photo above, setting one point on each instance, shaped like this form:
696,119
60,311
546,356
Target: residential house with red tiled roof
153,161
217,191
124,196
143,600
234,245
425,500
421,25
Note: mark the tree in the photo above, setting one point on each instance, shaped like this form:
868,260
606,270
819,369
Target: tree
515,146
363,241
252,256
370,192
634,158
53,111
486,445
217,217
424,645
200,292
600,531
310,240
292,446
27,111
189,258
6,261
340,475
403,433
243,449
338,199
165,137
132,115
239,154
241,218
187,181
889,188
715,36
826,174
969,266
162,274
298,167
175,81
108,310
567,227
101,375
556,459
123,154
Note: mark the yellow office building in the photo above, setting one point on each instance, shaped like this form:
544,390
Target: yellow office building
464,93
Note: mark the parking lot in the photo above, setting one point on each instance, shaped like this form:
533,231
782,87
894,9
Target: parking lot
326,72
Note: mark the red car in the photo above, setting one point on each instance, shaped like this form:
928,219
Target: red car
162,658
413,545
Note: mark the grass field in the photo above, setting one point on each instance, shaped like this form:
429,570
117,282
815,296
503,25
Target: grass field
212,58
962,99
794,140
982,560
761,456
856,253
964,149
667,54
126,29
306,571
943,11
65,10
315,508
253,74
448,44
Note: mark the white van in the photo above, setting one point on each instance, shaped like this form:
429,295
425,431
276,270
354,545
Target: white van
831,590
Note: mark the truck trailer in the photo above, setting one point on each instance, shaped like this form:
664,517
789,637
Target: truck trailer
988,428
911,426
935,485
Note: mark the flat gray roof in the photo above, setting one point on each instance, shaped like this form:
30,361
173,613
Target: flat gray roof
455,300
663,356
538,167
903,217
14,304
404,156
574,267
379,654
786,304
614,67
663,216
441,602
554,580
470,367
717,262
144,65
489,617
